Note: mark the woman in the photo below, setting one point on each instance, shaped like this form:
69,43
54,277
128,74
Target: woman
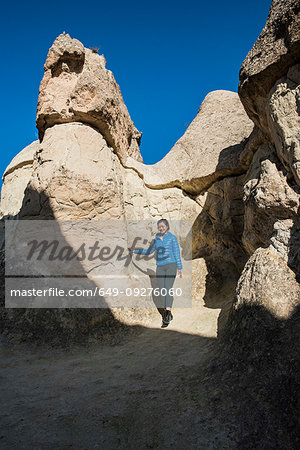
167,262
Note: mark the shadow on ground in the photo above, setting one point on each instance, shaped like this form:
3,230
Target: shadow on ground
160,389
155,389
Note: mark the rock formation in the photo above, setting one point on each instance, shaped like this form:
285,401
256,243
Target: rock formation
76,171
15,179
235,173
262,330
269,90
77,87
274,52
210,149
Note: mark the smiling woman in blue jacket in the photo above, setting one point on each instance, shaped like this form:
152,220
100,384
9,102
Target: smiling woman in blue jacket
167,262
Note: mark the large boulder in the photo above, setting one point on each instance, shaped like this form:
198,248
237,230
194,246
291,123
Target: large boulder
268,199
284,121
269,284
275,51
77,87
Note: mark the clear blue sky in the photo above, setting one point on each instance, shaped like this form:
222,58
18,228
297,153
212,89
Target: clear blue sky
165,55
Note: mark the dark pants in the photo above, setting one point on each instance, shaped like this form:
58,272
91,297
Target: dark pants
165,276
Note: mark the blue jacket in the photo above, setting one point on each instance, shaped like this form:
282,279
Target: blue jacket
168,250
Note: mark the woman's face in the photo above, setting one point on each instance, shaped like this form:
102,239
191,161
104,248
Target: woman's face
162,227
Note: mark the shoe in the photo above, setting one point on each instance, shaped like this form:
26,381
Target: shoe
168,316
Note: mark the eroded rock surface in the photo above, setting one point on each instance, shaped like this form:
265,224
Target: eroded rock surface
209,150
275,51
15,179
267,282
269,90
77,87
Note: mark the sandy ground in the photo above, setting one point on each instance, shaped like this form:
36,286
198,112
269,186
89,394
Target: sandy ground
149,392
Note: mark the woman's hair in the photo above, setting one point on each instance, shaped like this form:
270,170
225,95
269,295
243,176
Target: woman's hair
165,222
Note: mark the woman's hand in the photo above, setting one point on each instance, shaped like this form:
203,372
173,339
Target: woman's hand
180,273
